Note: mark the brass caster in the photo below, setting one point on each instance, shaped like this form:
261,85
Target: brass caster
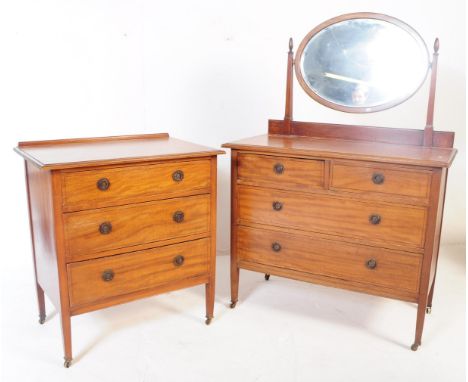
233,304
67,363
42,318
208,320
267,276
414,347
429,309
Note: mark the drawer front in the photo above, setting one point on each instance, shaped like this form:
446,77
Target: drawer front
119,185
371,221
118,227
281,172
357,263
355,178
96,280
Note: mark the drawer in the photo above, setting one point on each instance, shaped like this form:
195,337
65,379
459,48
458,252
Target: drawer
111,228
281,172
370,221
356,263
381,179
119,185
97,280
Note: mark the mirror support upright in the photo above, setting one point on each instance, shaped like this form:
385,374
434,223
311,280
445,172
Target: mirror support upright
288,111
429,129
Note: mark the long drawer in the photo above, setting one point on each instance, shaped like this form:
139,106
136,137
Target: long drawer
111,228
95,280
357,263
373,178
119,185
370,221
281,172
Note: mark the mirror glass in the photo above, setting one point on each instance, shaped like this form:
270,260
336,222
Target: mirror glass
362,64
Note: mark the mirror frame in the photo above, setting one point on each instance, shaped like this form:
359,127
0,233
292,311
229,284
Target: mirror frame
351,16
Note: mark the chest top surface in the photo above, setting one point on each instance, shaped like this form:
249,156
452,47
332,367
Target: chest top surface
70,153
347,149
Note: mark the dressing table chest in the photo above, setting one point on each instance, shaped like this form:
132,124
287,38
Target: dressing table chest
119,218
353,207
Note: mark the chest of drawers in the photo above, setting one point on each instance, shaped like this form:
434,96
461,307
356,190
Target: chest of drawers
119,218
363,216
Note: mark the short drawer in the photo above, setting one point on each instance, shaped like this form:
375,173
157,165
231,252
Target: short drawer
111,228
356,263
381,179
281,172
119,185
369,221
96,280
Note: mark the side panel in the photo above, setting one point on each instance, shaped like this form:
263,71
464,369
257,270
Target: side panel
42,222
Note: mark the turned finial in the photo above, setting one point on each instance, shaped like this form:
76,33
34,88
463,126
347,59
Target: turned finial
290,45
436,45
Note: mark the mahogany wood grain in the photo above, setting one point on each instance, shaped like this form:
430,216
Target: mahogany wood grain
39,290
121,299
134,224
40,196
133,183
61,154
65,314
406,137
66,210
234,219
394,270
322,230
288,111
399,294
430,251
358,177
135,271
429,129
335,216
210,286
438,232
329,236
346,149
295,174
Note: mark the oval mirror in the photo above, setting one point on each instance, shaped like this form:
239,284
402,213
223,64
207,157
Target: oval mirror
362,62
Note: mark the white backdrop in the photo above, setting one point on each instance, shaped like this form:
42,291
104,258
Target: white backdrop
208,71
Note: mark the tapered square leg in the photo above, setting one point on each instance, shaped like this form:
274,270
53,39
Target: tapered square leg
429,299
67,341
419,326
209,295
234,283
41,303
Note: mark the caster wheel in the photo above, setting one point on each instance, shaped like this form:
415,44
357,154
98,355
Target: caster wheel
208,320
42,319
414,347
267,276
233,304
429,310
67,363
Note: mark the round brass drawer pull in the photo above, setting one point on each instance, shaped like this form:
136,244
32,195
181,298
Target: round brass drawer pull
108,275
179,260
103,184
278,168
105,228
378,178
375,219
178,216
276,247
178,176
371,264
277,206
